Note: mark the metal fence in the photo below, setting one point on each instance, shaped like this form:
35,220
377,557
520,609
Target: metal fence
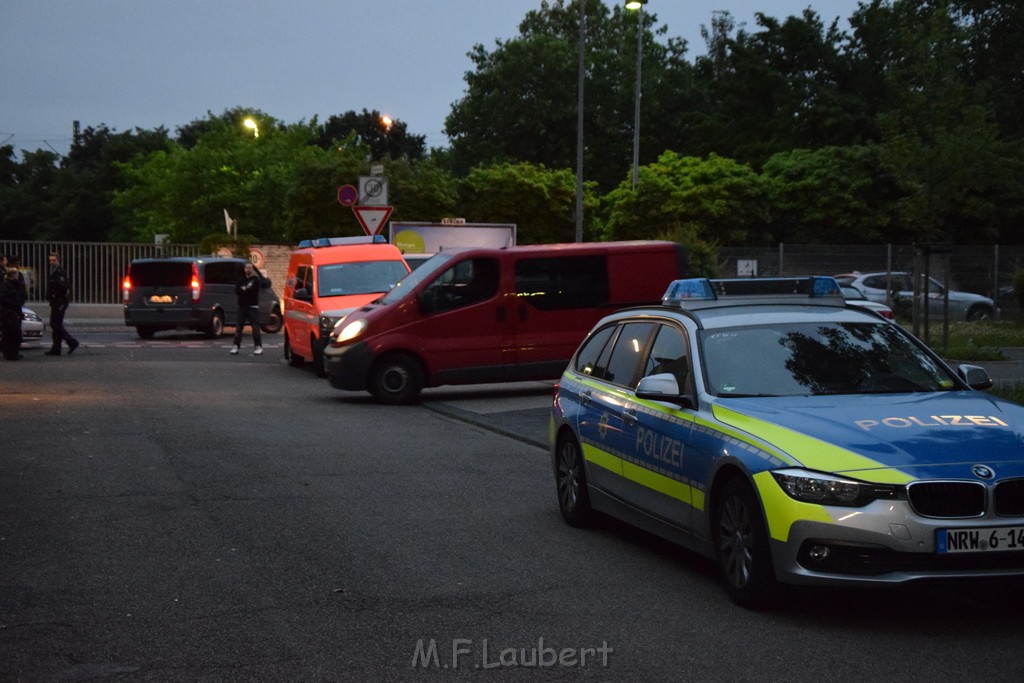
96,268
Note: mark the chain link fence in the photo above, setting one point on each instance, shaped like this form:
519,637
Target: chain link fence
986,270
96,268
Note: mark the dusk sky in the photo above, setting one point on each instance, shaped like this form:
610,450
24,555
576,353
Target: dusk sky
141,63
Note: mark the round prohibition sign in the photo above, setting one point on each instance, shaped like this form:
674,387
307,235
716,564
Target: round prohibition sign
348,195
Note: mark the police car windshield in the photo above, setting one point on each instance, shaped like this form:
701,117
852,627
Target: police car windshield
800,359
413,279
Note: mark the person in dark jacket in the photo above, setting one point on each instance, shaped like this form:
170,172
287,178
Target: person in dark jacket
58,291
248,290
12,298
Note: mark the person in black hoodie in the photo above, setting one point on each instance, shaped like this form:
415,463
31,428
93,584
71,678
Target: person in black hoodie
248,290
58,291
12,298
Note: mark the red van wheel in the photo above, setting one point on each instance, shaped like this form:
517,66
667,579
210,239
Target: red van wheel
396,380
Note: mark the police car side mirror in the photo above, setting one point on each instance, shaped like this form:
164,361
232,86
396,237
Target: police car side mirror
976,377
663,387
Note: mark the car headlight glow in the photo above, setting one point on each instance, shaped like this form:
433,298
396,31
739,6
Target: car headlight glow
828,489
33,316
350,331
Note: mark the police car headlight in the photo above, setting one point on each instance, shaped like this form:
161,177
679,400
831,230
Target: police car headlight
350,332
827,489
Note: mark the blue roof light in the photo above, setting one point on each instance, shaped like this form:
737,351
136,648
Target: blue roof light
693,289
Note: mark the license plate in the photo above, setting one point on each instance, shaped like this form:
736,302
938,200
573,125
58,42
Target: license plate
160,299
979,539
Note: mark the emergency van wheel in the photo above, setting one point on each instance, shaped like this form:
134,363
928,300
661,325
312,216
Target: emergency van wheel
571,481
741,545
216,328
396,380
289,355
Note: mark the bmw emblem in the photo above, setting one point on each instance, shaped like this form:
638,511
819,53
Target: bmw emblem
983,472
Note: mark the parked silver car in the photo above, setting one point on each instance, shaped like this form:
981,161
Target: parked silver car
962,305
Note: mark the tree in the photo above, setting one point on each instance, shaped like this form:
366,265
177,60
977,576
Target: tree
709,201
521,100
833,195
27,207
540,201
386,138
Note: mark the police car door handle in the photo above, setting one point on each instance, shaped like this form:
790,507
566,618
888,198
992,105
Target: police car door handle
585,397
629,416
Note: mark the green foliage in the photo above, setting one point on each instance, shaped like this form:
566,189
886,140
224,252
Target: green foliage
832,195
1018,287
540,201
714,200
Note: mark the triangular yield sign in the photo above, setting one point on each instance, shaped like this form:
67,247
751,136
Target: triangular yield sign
372,218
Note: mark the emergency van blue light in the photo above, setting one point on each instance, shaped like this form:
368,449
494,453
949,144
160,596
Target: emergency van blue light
693,289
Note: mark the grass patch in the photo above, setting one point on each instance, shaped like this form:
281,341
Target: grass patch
1011,392
975,341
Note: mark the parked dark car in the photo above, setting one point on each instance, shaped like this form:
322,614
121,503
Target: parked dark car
190,293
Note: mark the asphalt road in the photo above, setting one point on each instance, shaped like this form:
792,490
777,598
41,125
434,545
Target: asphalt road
170,512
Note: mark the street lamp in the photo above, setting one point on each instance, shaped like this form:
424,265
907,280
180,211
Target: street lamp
251,125
637,5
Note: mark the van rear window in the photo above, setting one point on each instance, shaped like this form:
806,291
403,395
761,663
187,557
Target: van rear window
161,274
563,282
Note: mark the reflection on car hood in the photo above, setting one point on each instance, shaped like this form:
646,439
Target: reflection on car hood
922,435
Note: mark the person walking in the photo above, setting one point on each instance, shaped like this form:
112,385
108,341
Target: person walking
12,298
248,290
58,291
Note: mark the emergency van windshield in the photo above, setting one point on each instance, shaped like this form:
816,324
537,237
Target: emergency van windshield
359,277
799,359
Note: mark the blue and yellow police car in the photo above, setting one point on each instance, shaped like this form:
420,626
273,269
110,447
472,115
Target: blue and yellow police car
794,439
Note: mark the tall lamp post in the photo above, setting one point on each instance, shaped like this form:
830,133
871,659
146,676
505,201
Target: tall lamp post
637,5
579,120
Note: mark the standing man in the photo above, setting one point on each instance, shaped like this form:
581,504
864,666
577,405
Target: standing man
12,298
58,291
248,290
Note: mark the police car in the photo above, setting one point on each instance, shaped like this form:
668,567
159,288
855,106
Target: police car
768,425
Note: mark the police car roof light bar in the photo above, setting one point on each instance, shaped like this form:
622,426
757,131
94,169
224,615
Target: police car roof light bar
341,241
702,292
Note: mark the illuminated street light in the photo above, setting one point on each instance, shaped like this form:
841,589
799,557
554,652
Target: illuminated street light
250,124
637,5
387,122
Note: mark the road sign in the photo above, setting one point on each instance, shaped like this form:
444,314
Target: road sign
373,190
372,218
348,195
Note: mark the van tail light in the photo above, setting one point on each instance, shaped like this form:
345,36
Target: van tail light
195,284
126,288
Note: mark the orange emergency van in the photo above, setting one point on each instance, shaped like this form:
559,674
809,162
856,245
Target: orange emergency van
328,278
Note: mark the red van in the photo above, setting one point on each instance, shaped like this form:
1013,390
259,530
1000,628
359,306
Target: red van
493,315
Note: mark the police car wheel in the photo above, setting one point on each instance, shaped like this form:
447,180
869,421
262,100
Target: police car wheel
741,545
571,481
395,380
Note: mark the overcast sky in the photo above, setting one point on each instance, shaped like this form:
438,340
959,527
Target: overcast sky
150,63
